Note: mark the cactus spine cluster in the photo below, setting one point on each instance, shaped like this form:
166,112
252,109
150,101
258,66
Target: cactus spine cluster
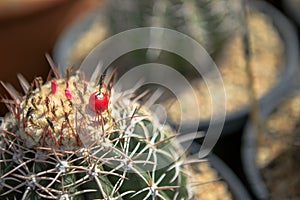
54,146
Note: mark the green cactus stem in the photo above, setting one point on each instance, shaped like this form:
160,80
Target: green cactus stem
54,146
210,22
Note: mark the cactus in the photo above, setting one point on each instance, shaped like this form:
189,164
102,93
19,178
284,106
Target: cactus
210,22
72,138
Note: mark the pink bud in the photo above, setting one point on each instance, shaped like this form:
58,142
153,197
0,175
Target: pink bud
53,87
68,94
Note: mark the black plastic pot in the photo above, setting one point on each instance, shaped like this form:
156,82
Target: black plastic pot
291,8
235,186
248,149
270,101
234,121
65,43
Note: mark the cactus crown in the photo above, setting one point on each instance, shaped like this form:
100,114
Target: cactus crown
54,145
57,114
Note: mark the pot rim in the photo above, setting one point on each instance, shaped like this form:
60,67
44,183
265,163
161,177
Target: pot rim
235,186
270,101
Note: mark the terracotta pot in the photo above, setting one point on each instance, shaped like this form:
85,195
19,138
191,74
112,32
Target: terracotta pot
28,30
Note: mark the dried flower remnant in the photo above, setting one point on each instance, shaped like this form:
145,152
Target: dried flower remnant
53,87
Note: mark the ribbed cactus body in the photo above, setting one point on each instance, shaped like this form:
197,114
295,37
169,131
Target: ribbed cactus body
53,146
210,22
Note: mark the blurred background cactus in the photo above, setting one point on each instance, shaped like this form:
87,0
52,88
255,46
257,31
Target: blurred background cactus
209,22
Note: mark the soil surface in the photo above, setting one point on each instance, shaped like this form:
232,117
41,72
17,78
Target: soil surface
207,183
278,147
